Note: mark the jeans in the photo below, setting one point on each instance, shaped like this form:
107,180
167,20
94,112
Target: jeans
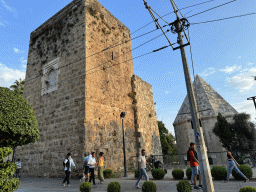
231,165
142,172
67,177
192,175
92,177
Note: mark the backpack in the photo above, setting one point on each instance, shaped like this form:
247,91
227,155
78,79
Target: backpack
188,157
66,164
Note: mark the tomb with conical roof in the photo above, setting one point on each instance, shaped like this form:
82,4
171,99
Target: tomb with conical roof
210,103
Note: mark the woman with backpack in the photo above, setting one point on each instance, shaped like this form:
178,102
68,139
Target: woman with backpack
68,161
232,165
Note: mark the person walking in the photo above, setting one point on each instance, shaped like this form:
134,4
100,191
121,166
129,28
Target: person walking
86,166
194,163
232,165
92,164
68,161
19,167
142,167
100,168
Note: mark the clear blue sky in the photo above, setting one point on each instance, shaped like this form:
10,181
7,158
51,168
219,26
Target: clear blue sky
223,52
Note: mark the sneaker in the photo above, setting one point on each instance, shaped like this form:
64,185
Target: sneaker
191,183
200,186
63,184
138,187
68,185
225,181
94,185
246,180
197,187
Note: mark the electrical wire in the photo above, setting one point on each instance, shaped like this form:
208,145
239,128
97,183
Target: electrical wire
109,66
212,8
222,19
128,51
27,80
111,46
140,29
197,99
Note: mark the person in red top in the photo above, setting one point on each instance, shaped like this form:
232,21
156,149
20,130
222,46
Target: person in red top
194,163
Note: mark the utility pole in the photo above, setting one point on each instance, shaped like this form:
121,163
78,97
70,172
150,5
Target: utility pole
178,27
253,98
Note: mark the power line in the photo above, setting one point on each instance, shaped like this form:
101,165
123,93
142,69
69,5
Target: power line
142,34
121,43
115,44
102,63
111,65
222,19
128,51
111,46
212,8
133,38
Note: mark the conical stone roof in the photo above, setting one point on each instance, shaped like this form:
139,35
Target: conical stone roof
210,103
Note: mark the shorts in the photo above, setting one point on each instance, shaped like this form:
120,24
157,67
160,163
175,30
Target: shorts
196,170
87,170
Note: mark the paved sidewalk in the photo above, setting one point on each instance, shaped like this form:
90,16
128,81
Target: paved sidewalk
127,185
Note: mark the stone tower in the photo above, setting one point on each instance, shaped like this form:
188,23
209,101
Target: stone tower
210,103
78,84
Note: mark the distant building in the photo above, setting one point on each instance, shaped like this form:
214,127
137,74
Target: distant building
210,103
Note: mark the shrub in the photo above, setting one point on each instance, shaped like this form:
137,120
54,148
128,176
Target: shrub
189,172
9,184
247,189
86,187
184,186
114,187
178,174
246,170
107,173
116,175
219,172
149,186
158,173
136,173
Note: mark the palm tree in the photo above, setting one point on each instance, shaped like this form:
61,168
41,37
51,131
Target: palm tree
18,87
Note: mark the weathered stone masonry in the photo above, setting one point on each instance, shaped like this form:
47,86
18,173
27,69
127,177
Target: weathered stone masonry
76,100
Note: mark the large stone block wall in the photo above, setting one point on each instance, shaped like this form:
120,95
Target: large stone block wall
148,132
82,112
185,135
60,113
107,87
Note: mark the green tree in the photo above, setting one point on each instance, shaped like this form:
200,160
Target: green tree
18,126
223,130
245,132
18,86
167,140
241,134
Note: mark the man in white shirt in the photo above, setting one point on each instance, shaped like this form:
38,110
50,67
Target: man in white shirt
19,167
142,167
92,164
68,162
